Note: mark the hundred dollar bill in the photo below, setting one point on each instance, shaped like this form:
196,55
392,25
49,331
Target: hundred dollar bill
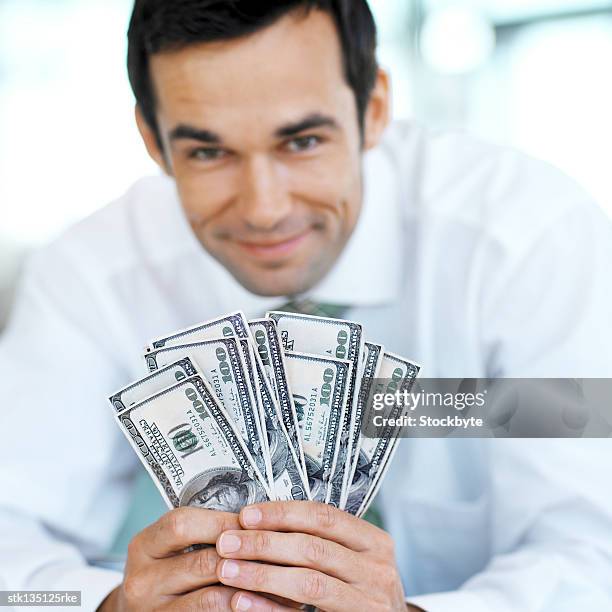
375,454
335,338
160,380
191,449
233,324
261,330
253,377
371,364
222,365
270,351
288,481
320,388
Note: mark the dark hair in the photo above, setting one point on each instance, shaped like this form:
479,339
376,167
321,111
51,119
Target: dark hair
162,25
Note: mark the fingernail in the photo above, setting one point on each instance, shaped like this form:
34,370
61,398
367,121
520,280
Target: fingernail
229,543
230,569
243,603
251,516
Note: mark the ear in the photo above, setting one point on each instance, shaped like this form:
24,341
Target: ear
150,142
378,112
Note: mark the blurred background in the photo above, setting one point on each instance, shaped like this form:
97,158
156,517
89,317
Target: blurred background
534,74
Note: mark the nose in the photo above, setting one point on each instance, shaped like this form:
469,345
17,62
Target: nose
265,200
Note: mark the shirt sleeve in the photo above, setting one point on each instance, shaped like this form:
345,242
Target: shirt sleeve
550,508
545,310
551,520
65,470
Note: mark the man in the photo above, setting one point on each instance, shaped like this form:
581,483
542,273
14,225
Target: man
270,120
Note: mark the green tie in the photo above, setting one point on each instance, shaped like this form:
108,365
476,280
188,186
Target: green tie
145,508
308,307
374,516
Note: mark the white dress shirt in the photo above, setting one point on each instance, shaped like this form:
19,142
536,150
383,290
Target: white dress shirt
470,259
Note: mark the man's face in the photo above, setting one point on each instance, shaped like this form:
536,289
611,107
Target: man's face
262,137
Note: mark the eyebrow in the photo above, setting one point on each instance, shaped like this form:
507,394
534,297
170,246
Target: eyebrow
315,120
188,132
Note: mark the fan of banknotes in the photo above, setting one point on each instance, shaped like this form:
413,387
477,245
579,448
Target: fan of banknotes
235,412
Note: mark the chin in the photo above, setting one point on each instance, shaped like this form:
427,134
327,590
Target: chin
276,282
285,276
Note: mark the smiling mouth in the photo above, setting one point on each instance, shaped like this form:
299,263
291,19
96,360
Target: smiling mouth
276,249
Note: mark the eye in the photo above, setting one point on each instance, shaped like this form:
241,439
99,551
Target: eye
207,154
303,143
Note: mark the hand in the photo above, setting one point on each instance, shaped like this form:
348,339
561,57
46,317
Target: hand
309,553
160,576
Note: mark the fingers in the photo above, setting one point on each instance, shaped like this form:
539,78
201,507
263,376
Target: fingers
179,529
212,599
295,549
297,584
315,519
254,603
285,602
183,573
221,598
